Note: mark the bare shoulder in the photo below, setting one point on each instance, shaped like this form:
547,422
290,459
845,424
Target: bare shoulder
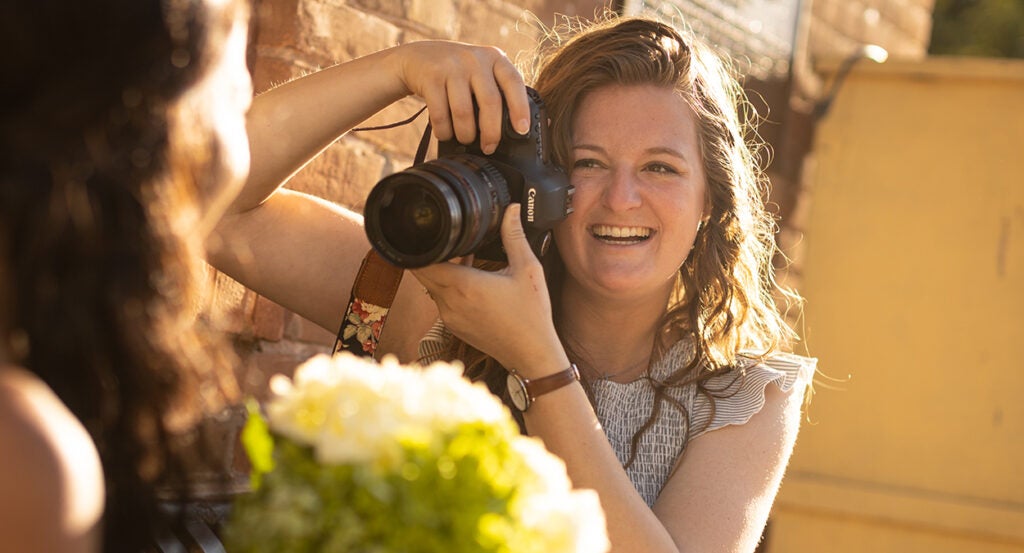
50,473
721,494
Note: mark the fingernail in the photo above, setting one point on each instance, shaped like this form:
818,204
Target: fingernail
522,126
488,148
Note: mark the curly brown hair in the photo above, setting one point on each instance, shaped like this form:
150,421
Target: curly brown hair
100,182
725,296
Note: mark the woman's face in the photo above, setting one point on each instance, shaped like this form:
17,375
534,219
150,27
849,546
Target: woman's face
640,191
221,99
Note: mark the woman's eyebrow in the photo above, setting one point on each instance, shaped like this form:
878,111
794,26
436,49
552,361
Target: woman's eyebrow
668,151
655,150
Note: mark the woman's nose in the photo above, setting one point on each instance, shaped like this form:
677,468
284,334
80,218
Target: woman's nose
623,191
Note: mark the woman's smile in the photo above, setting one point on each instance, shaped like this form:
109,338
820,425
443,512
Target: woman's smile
620,235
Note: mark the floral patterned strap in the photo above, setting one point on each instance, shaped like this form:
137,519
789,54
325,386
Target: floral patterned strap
372,295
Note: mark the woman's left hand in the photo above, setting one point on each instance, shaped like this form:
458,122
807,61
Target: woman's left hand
507,313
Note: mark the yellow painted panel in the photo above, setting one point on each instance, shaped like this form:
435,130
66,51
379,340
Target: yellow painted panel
887,504
914,275
793,531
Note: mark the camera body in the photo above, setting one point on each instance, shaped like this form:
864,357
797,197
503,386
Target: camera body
453,205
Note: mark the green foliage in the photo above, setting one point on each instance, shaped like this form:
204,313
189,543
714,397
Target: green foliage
990,28
258,443
459,496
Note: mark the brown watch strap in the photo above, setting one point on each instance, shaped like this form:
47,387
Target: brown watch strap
551,382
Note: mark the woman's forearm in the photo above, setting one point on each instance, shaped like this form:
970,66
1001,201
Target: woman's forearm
566,423
292,123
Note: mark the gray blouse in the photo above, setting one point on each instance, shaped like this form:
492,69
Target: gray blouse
623,409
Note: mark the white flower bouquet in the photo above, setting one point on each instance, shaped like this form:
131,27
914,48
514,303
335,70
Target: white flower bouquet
360,457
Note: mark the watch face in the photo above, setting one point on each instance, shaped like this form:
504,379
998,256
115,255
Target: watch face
517,390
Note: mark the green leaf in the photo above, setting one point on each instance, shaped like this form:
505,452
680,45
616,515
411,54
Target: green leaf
258,443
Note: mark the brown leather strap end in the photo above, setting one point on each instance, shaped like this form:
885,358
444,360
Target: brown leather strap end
373,292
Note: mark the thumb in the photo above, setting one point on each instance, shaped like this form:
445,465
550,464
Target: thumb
513,237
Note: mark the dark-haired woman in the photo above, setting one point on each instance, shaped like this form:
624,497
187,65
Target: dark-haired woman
122,139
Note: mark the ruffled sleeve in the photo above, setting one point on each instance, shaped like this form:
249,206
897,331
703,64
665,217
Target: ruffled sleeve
738,395
434,343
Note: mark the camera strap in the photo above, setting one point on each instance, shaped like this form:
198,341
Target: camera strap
373,292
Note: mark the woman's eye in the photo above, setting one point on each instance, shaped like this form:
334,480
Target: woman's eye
586,164
661,168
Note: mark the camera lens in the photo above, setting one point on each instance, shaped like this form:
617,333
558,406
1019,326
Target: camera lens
437,210
411,219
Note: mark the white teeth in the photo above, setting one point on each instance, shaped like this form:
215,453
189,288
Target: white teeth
608,231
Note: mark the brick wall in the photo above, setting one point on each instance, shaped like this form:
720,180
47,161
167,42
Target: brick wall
294,37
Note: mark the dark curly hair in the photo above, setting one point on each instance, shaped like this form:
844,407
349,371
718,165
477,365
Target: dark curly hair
99,192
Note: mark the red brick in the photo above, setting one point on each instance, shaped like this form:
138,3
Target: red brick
275,22
344,173
303,330
547,10
394,9
440,16
268,320
232,306
272,70
259,365
402,139
497,24
335,33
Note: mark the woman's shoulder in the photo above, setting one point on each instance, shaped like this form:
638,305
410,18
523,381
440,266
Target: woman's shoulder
733,397
786,370
50,472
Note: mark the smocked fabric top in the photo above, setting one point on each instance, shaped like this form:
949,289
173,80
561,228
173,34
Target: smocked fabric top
622,408
739,394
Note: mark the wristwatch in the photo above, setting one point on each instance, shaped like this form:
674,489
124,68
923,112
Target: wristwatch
525,391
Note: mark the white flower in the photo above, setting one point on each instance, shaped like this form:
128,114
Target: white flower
353,410
350,410
571,520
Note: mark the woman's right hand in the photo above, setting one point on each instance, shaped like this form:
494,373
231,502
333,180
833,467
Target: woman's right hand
448,76
506,313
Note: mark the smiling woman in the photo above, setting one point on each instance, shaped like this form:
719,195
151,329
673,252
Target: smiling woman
660,292
646,348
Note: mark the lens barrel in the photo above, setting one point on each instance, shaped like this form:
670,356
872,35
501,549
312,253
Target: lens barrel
444,208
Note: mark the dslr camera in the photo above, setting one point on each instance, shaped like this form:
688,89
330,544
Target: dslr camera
452,206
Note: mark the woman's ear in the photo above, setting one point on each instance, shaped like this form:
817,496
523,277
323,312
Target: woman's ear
705,216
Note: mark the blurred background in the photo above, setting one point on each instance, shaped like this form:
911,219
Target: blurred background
897,136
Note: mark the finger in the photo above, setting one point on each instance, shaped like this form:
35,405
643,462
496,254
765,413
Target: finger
430,277
437,109
514,238
438,276
460,102
510,81
488,100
